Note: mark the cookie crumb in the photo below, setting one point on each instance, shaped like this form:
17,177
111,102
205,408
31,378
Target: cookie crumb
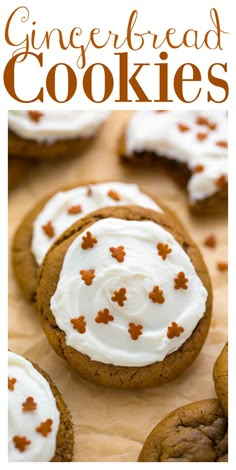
210,241
222,266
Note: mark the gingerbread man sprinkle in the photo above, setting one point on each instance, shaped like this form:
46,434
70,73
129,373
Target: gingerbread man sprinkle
222,143
49,230
11,383
198,168
221,182
35,116
181,281
174,330
21,442
88,241
104,316
113,195
119,296
201,136
210,241
183,127
118,253
157,295
163,250
87,276
45,427
29,404
135,331
79,324
73,210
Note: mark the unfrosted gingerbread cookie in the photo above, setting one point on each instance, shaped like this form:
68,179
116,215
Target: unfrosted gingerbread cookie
191,145
55,213
39,422
220,375
197,432
125,297
52,134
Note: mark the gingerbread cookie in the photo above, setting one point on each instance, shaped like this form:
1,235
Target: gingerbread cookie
197,432
52,134
191,145
55,213
125,297
220,375
17,170
39,426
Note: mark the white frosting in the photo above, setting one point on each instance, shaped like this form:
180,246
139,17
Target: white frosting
142,269
56,125
30,383
158,132
55,210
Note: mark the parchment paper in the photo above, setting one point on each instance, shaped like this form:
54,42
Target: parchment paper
110,425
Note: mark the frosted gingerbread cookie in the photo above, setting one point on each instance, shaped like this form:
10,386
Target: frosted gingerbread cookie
197,432
17,170
191,145
220,375
125,297
39,422
52,134
55,213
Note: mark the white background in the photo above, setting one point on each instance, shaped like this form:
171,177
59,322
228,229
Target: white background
154,15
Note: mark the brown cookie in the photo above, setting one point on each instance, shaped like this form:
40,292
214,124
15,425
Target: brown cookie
24,263
17,170
25,148
220,375
65,433
214,204
108,374
197,432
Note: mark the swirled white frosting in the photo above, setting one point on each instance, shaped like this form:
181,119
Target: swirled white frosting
56,125
142,269
30,383
56,209
159,132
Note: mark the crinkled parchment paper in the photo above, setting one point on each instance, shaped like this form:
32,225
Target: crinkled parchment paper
112,425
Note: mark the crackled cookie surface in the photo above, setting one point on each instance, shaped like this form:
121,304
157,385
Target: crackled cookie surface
33,415
197,432
197,139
